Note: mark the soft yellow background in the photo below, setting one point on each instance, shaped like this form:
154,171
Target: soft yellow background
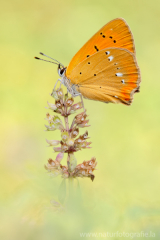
125,195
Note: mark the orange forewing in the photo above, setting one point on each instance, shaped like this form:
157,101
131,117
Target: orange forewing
116,33
110,75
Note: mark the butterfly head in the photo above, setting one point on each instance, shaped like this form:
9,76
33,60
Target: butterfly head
61,70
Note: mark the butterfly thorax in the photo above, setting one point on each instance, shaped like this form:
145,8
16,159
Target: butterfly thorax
71,88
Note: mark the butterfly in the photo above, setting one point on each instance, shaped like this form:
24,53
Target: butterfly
105,68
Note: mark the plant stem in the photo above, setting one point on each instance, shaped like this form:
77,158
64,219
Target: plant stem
66,123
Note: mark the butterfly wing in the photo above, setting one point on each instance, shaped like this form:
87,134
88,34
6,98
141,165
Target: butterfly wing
116,33
110,75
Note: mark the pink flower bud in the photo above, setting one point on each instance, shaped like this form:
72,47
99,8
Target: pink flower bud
59,157
57,149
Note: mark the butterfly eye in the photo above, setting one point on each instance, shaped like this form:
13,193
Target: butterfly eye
61,71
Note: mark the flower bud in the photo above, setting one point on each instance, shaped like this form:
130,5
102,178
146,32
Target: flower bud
57,149
51,165
52,106
53,142
71,111
65,175
85,135
51,162
58,110
72,162
64,147
60,93
48,117
75,132
80,118
51,127
79,140
57,122
58,104
59,157
65,136
69,102
92,162
54,95
55,173
70,142
83,172
85,145
76,106
84,124
64,168
90,171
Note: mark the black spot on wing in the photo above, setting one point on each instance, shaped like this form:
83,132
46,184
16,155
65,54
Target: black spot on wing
96,48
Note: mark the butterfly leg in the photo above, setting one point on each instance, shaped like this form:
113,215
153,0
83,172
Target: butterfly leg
82,102
57,82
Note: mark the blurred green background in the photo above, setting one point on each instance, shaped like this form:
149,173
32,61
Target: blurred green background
125,195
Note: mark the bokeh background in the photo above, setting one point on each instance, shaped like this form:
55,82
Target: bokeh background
125,195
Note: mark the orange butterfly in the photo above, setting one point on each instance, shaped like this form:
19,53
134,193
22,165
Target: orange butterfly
105,68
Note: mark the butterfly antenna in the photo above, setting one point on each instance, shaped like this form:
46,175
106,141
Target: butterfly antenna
51,58
45,60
